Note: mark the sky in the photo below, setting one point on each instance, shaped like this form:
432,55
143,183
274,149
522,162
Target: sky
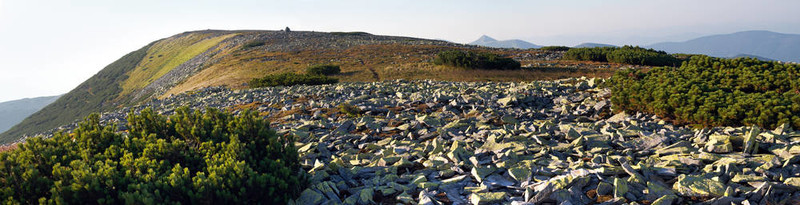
49,47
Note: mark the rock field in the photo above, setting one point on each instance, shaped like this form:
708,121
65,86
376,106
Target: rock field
548,142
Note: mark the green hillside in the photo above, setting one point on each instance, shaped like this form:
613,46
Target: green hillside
13,112
95,94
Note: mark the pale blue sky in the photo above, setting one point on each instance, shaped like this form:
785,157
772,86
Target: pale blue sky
49,47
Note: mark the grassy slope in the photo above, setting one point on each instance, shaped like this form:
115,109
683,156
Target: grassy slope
166,55
96,93
111,87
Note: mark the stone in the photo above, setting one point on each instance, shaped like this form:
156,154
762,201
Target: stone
620,187
698,186
386,190
520,174
426,198
365,196
636,176
480,172
719,144
419,179
742,178
572,134
506,101
309,196
682,147
604,188
487,198
427,185
404,198
656,191
329,190
509,119
619,117
345,127
453,180
497,180
665,200
750,143
793,181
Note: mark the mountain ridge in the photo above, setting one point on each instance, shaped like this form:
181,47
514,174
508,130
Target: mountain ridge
14,111
767,44
487,41
593,45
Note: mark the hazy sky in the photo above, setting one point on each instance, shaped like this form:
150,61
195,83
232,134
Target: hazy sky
49,47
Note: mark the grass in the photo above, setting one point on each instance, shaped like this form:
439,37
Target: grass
108,88
376,63
166,55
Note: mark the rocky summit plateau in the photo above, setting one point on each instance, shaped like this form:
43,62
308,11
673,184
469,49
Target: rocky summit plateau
540,142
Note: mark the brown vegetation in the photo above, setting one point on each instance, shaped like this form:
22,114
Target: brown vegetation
378,62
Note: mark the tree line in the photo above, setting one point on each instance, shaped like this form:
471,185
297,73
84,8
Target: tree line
626,54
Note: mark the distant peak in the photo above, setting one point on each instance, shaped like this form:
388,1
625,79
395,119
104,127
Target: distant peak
485,38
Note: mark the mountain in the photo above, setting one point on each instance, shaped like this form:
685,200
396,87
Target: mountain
13,112
513,43
752,56
593,45
778,46
212,58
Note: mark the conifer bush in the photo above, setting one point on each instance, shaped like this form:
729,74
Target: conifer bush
469,59
555,48
190,157
289,79
325,69
626,54
711,91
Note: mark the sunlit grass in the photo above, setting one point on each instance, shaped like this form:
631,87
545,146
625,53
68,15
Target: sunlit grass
166,55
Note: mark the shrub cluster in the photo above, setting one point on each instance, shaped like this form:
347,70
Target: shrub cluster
349,110
252,44
714,92
554,48
323,69
626,54
190,158
289,79
469,59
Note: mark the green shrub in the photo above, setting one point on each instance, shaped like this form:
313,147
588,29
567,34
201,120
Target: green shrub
554,48
253,44
588,54
626,54
190,158
469,59
713,92
289,79
323,70
349,110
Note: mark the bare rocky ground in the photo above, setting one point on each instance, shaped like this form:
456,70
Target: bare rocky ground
548,142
